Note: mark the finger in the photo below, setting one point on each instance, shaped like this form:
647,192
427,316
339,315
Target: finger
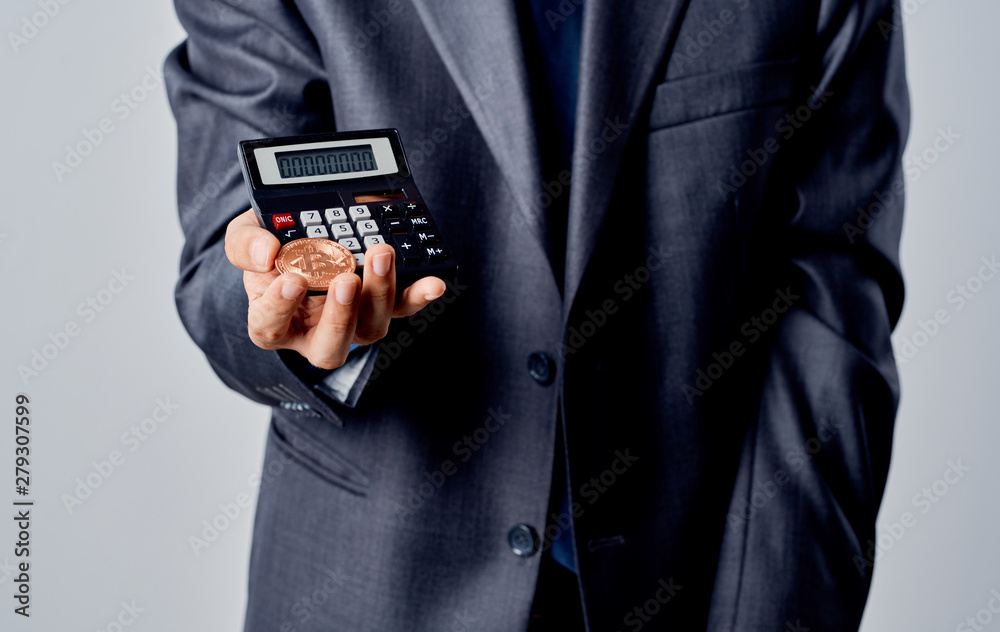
418,296
378,293
256,283
269,318
248,246
330,341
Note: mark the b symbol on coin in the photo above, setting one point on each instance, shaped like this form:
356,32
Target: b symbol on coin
318,260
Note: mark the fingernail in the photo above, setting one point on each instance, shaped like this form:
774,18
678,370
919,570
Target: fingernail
290,290
258,252
431,297
344,292
380,264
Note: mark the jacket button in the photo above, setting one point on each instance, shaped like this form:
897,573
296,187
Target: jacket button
541,368
522,540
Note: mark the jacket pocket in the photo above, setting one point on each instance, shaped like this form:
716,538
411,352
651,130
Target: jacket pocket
308,450
703,96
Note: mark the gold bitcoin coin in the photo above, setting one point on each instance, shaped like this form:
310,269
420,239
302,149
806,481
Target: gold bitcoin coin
318,260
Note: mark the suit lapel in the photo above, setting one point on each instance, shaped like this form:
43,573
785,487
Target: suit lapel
480,45
622,48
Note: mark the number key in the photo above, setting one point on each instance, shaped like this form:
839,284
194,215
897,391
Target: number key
341,230
367,227
351,244
335,215
360,212
310,218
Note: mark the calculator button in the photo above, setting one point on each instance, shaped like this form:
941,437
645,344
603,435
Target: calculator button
435,254
341,230
427,237
371,240
413,209
408,251
282,221
360,212
396,226
420,221
289,235
359,257
351,244
388,210
317,231
367,227
310,218
335,215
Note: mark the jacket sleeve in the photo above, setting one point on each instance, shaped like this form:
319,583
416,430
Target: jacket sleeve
247,71
798,540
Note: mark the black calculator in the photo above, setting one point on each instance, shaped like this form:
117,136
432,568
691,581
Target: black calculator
354,188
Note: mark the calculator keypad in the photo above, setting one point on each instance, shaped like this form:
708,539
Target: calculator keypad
406,225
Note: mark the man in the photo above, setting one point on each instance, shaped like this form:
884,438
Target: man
697,309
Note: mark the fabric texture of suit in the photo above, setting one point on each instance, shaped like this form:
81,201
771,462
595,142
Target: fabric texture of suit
721,343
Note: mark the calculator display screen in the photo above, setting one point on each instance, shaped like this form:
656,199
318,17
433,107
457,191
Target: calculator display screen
322,162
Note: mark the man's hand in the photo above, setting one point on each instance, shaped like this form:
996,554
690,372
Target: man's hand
320,328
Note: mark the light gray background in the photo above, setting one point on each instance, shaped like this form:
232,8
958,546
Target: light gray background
61,241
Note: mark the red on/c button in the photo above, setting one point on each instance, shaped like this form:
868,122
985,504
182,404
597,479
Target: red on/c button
284,220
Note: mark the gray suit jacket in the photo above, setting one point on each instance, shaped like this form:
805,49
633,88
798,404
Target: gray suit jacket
721,353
